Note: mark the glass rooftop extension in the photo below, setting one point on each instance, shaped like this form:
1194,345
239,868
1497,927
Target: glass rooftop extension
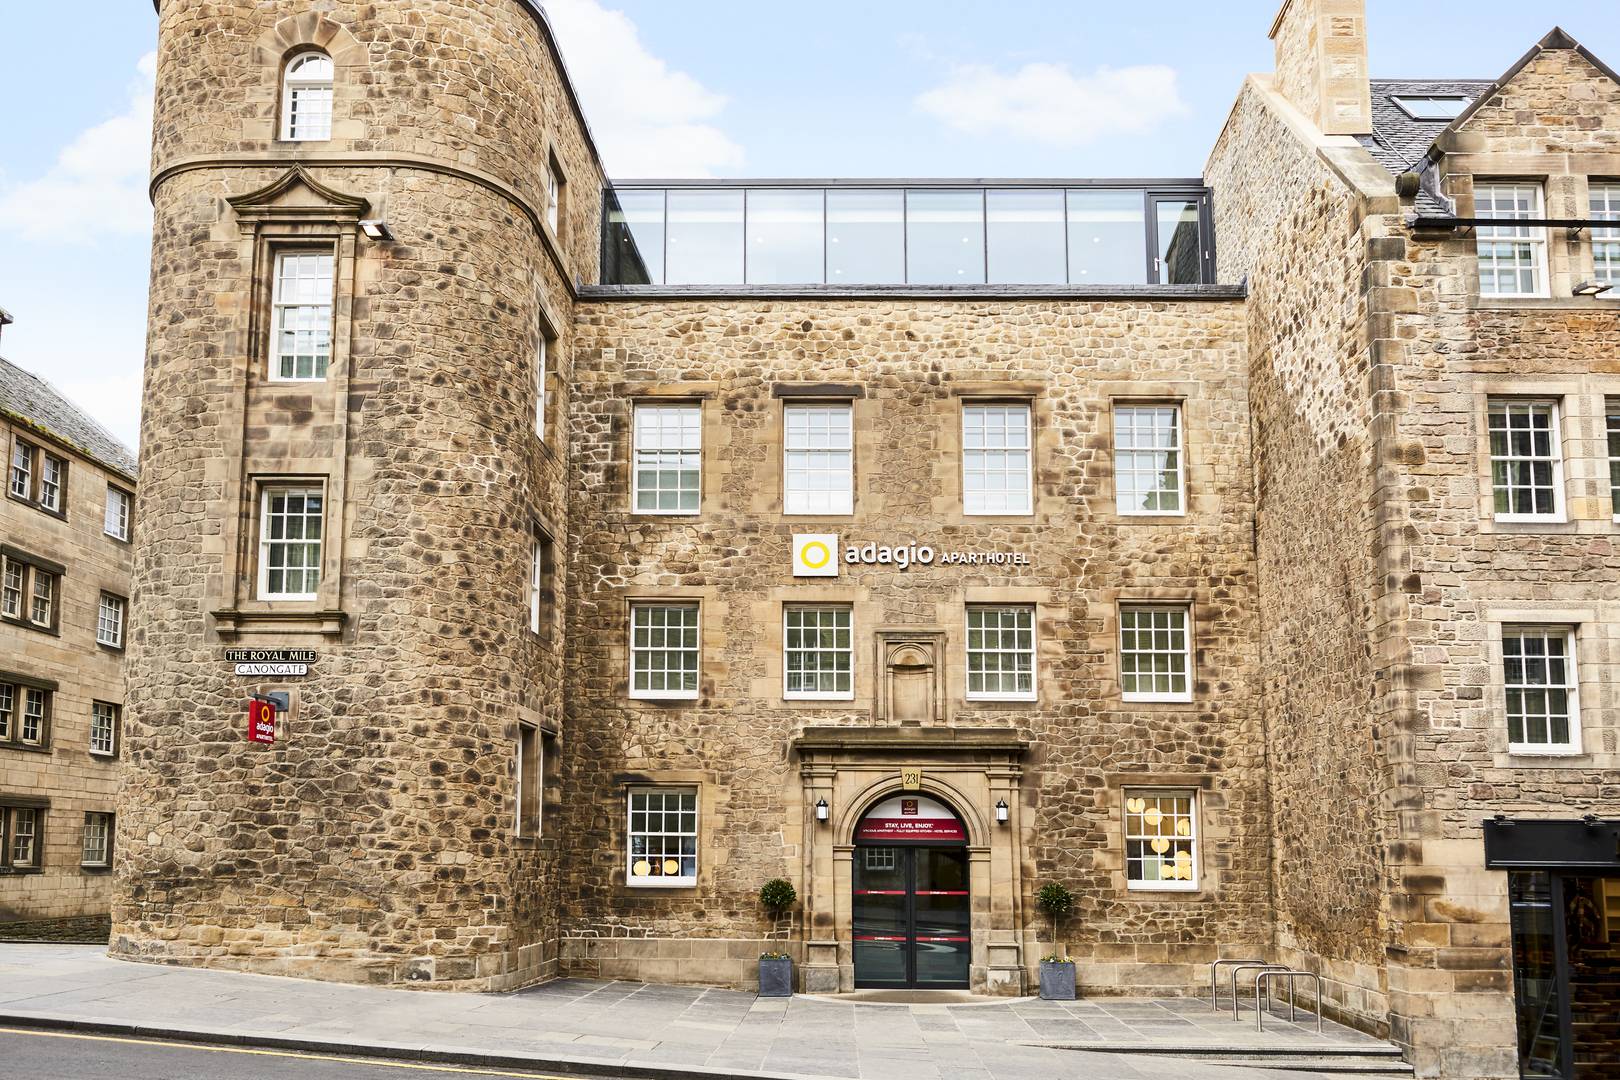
855,233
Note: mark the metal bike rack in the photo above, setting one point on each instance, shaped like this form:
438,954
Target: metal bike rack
1214,975
1262,967
1259,1013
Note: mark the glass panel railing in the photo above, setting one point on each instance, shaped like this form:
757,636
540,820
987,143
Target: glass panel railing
783,234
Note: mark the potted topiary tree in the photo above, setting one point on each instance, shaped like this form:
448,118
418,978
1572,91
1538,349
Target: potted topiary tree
1057,970
776,968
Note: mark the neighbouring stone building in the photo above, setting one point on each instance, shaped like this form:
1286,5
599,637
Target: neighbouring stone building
66,522
533,566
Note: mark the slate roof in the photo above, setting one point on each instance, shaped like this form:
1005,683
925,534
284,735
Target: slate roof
36,403
1397,140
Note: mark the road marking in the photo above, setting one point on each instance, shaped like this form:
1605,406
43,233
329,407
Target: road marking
377,1062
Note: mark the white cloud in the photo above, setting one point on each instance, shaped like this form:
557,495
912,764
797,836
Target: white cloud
1051,104
98,183
647,119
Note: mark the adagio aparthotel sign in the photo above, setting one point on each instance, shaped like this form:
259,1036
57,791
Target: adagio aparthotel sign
818,555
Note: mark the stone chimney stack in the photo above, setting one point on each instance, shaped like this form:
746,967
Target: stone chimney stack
1321,48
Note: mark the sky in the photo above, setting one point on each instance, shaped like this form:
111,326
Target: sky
674,88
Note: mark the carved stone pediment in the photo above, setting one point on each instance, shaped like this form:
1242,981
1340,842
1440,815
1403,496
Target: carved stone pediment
298,196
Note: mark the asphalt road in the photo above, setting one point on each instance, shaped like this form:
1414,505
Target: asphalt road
43,1055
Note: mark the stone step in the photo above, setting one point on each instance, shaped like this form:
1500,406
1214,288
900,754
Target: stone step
1334,1064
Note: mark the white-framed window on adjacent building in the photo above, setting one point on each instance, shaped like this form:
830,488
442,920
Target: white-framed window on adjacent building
1155,652
110,621
1541,690
997,476
292,525
21,483
1527,469
530,772
52,483
96,850
1149,477
1512,257
664,650
120,505
818,652
1604,200
104,718
28,591
668,452
21,837
301,316
25,713
1612,411
1001,652
38,477
818,463
1161,839
306,98
663,837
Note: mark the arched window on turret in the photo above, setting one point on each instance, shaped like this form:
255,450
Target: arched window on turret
306,98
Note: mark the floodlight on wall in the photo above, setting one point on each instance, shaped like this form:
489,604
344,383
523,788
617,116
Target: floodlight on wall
821,809
1591,288
376,229
1001,811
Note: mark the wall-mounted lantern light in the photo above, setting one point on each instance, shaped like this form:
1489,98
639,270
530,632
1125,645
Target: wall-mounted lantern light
376,229
1591,288
1001,811
821,809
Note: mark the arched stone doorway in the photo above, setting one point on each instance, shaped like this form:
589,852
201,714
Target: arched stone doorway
910,898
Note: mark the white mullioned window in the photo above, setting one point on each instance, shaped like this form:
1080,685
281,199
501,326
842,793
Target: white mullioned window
1527,469
23,851
116,521
664,650
291,526
11,589
36,712
818,654
1604,200
1161,840
43,610
98,834
1155,653
306,98
996,473
663,838
668,454
103,728
818,460
1148,474
1538,676
301,316
1001,652
52,475
22,470
1613,422
1512,257
110,621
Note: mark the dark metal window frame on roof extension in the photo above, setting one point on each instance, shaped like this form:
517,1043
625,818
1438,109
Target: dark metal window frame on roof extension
623,264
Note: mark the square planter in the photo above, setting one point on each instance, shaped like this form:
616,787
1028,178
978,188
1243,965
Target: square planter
1057,980
775,978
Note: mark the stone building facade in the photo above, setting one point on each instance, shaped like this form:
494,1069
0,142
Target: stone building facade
587,590
66,525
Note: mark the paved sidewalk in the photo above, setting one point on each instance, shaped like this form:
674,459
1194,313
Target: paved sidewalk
635,1026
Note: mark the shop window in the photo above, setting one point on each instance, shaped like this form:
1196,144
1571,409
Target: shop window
1161,840
663,837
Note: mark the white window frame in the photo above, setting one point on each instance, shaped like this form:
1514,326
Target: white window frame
818,460
1611,411
10,817
662,881
115,520
540,394
1185,652
1556,445
21,470
1191,840
298,88
281,309
8,711
976,503
848,612
53,473
554,185
104,718
110,612
1603,199
39,717
268,492
105,821
1532,236
659,459
968,652
636,609
1572,686
1176,448
51,583
14,592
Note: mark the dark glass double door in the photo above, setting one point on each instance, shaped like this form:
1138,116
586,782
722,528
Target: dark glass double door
1566,974
911,920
